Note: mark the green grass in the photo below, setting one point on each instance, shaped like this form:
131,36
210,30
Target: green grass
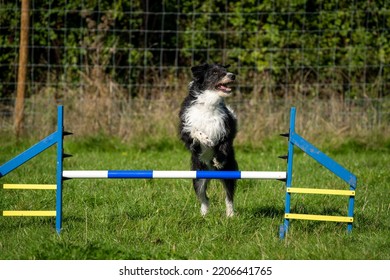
160,219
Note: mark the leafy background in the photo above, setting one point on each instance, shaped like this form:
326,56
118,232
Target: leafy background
326,47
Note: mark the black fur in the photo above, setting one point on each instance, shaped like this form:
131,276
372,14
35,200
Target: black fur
214,151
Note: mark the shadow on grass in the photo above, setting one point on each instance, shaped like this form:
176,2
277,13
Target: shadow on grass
265,212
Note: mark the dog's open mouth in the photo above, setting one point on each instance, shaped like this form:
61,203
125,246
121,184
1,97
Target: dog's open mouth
224,88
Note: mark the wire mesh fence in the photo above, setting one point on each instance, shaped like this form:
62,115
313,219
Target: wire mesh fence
108,60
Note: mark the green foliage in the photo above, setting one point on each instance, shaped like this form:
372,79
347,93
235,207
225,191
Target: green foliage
315,43
9,44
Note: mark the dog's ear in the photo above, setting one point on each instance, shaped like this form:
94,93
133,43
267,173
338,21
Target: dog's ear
226,66
199,71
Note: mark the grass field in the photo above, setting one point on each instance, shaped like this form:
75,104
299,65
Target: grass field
160,219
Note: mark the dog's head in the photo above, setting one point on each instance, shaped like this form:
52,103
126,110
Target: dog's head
213,77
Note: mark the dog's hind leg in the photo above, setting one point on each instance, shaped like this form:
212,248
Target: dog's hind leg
200,186
229,189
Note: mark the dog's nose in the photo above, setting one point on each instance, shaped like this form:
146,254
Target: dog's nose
231,76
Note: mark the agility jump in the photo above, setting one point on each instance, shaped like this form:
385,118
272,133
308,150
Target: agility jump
294,139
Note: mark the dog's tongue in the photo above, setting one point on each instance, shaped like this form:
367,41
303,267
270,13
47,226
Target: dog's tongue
224,88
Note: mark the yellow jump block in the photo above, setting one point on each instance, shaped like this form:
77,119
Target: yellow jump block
320,191
319,218
30,213
30,186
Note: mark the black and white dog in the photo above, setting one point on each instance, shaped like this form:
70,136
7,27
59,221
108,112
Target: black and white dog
208,127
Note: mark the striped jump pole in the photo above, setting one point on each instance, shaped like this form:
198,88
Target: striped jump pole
155,174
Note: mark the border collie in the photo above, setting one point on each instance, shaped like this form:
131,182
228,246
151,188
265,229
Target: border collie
208,127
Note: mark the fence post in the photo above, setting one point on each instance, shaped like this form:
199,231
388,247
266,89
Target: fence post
22,70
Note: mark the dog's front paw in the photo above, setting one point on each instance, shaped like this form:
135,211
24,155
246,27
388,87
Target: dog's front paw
217,164
194,145
202,138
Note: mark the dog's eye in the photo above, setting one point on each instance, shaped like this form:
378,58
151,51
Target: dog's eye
215,72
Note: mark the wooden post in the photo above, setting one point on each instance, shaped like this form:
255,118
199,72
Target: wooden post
22,70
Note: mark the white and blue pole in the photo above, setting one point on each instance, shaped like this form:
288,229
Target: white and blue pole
157,174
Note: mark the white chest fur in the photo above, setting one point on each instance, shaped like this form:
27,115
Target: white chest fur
206,115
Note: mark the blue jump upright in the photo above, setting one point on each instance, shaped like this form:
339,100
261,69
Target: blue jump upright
51,140
293,140
60,157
